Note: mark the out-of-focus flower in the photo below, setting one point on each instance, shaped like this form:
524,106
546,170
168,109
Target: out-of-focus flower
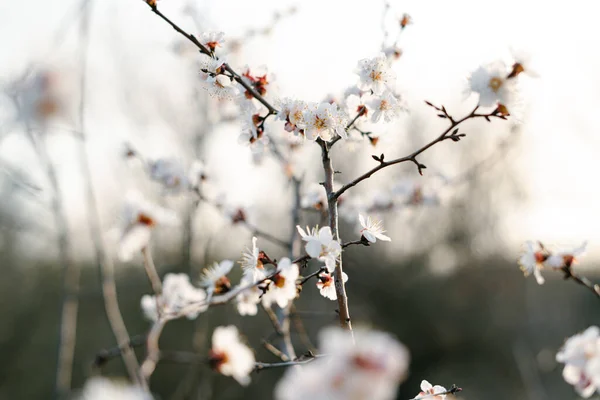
260,81
178,294
100,388
282,288
392,52
522,64
324,121
168,172
412,193
321,245
42,96
212,40
581,356
314,197
326,286
532,261
375,74
252,262
427,389
197,174
229,356
370,367
372,229
215,278
387,106
565,258
247,301
141,217
493,85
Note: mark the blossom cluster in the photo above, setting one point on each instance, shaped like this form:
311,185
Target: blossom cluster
497,84
537,257
581,357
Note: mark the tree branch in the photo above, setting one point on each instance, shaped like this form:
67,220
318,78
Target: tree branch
340,287
413,156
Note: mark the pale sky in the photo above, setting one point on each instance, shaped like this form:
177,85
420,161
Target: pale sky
323,42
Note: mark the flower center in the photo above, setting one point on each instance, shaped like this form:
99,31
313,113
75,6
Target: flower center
145,219
216,359
279,281
384,105
495,83
375,75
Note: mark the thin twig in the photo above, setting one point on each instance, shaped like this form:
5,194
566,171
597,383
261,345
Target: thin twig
275,351
151,271
104,262
273,319
260,365
413,156
301,330
103,356
582,280
203,49
307,278
152,350
257,232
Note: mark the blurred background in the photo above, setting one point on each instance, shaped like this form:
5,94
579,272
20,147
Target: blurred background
82,80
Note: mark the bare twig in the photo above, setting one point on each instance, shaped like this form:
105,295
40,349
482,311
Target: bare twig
103,356
317,272
582,280
152,349
102,259
305,360
273,319
301,330
413,156
275,351
151,271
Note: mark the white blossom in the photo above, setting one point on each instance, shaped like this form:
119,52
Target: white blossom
492,84
324,121
141,217
321,245
178,295
170,173
387,106
581,356
326,285
532,261
369,367
215,278
427,390
292,113
247,301
252,264
314,196
282,288
212,40
565,258
220,87
99,388
372,229
230,356
375,74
